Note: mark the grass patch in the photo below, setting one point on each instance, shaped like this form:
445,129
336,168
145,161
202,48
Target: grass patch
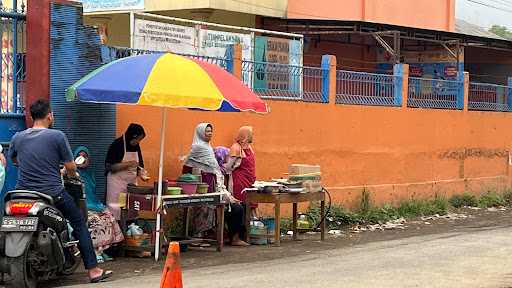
415,208
337,217
340,217
365,204
491,199
507,197
379,214
464,200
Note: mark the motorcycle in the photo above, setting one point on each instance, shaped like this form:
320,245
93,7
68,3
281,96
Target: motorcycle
35,239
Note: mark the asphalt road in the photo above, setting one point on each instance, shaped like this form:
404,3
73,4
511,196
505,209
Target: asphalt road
477,258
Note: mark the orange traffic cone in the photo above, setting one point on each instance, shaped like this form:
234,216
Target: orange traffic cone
171,276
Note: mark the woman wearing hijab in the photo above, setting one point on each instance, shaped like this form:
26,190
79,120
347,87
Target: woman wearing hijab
242,163
222,156
202,157
123,164
105,230
235,212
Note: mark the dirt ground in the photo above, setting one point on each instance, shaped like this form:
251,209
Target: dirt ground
198,257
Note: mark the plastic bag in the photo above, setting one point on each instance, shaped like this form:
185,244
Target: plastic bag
134,230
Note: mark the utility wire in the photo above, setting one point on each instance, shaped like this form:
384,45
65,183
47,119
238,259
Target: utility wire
490,6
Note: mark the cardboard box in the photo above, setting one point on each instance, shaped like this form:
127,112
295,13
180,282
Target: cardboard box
141,202
312,186
303,169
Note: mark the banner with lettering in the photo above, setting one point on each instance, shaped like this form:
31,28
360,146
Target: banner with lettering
281,51
215,44
159,36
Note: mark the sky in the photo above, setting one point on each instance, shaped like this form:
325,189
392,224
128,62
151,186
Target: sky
484,15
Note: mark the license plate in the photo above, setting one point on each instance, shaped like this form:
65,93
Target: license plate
19,224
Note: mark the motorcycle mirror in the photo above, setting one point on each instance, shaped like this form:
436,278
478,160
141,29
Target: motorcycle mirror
80,160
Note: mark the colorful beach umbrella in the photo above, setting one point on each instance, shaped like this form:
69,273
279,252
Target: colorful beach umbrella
169,81
166,80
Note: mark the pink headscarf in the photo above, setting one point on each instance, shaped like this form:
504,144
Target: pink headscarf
242,141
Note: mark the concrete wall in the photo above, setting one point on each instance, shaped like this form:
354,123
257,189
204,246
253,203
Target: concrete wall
117,27
272,8
429,14
396,153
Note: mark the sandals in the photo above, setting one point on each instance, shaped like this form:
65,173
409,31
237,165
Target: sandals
106,257
104,276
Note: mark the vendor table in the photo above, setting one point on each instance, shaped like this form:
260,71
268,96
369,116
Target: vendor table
198,200
253,197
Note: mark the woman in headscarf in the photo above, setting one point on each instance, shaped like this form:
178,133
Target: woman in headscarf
123,164
222,155
202,157
235,212
242,163
105,230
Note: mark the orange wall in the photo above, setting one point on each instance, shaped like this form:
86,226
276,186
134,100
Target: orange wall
428,14
396,153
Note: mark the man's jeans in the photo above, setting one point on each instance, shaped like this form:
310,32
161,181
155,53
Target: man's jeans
73,214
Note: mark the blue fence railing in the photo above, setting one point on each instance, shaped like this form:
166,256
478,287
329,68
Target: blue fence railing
361,88
489,97
110,53
12,88
285,82
275,81
435,93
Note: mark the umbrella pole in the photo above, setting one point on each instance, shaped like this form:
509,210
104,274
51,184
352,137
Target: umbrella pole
160,180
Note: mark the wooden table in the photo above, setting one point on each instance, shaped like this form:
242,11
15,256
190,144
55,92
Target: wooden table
198,200
281,198
185,202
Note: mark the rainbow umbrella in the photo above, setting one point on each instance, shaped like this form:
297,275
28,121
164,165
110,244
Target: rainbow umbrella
166,80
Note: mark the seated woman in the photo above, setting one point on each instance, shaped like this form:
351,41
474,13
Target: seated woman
201,157
235,214
105,230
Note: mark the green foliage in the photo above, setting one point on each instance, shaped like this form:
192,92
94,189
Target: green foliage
501,31
491,199
464,200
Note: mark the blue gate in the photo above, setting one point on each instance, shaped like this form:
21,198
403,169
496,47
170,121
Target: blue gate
12,80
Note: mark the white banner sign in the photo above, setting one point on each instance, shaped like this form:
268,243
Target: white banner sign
110,5
215,43
158,36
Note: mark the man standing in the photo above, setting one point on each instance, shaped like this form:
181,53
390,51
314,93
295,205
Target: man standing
38,152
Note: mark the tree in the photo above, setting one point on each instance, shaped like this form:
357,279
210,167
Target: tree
501,31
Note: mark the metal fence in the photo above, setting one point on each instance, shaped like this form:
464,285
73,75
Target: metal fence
110,53
434,93
12,88
488,97
285,82
360,88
